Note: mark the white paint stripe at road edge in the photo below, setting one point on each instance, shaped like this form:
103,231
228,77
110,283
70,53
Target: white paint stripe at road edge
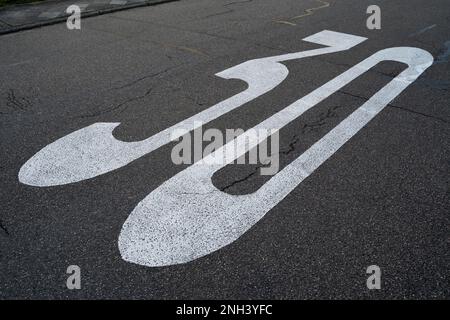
187,217
50,14
93,150
119,2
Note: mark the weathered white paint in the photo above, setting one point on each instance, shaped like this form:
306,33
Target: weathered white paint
93,150
187,217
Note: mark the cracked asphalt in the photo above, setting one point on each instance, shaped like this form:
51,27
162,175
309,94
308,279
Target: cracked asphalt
382,199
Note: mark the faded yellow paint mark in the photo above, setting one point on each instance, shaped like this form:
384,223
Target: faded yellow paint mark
191,50
308,12
182,48
285,22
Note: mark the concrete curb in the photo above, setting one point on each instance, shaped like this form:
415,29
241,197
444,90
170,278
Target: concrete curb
86,14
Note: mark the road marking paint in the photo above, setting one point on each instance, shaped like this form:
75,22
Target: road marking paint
285,22
15,64
93,150
50,14
422,30
308,12
187,217
191,50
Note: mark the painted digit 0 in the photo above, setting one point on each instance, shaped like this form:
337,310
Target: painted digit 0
187,217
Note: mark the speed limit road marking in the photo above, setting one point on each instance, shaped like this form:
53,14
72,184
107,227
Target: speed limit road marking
187,217
93,150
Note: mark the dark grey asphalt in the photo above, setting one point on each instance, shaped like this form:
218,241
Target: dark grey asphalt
25,16
382,199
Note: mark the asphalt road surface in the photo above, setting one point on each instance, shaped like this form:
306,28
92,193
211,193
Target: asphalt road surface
381,199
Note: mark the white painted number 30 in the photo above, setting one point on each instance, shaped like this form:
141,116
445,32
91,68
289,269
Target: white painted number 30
187,217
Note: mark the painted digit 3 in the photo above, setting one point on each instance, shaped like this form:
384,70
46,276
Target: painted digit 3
93,150
187,217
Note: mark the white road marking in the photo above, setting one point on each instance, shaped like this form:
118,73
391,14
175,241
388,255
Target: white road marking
93,150
187,217
423,30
